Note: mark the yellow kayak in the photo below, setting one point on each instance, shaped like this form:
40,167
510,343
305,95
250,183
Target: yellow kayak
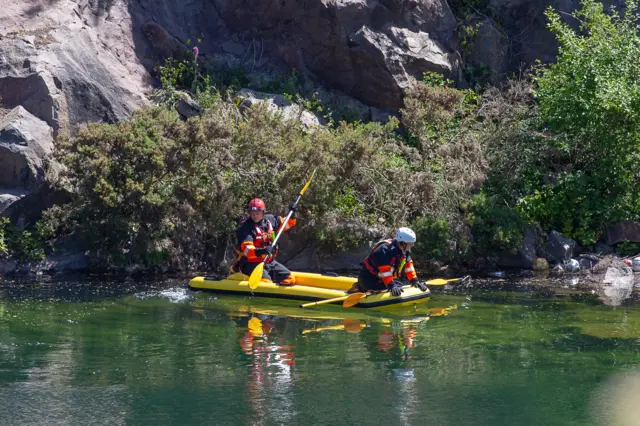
311,287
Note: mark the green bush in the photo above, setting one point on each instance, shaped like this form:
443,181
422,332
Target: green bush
154,189
3,245
496,227
24,245
590,99
435,239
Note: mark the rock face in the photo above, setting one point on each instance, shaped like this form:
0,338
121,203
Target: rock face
25,142
68,62
371,50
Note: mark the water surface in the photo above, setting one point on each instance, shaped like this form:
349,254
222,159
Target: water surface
119,352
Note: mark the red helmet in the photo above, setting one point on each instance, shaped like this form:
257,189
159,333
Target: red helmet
256,204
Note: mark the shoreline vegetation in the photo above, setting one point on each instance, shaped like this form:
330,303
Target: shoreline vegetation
471,171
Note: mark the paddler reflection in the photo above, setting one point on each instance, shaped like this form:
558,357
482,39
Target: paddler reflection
271,372
391,345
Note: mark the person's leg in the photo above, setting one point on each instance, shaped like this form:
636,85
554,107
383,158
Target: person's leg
369,282
280,274
248,267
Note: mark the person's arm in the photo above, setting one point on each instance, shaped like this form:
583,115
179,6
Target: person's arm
410,271
247,246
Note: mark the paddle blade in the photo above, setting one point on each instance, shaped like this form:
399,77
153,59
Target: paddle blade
440,281
353,300
308,182
256,275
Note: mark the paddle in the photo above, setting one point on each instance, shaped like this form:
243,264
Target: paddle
256,275
349,300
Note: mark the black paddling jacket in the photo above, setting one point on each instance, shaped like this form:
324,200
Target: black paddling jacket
387,261
252,236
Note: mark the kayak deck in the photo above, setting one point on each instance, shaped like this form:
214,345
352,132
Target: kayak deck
309,287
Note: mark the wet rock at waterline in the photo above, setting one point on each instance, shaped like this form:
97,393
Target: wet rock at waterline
613,280
588,261
540,264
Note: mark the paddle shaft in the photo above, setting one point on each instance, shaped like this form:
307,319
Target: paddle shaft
293,206
322,302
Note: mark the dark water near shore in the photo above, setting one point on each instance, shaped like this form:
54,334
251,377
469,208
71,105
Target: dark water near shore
120,352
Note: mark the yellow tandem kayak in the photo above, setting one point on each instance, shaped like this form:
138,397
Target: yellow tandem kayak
311,287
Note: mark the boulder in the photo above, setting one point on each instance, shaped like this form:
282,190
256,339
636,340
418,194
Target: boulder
10,196
603,248
588,261
369,50
560,248
623,231
613,280
540,264
187,107
280,105
28,209
78,261
525,256
25,142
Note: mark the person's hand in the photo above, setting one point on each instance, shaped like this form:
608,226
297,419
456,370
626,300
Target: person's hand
293,209
396,288
267,251
422,286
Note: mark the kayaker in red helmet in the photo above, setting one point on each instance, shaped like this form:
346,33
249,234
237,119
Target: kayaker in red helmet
255,235
383,267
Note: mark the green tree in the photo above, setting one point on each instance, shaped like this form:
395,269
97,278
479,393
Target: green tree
590,99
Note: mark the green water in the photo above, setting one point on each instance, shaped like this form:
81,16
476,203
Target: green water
115,353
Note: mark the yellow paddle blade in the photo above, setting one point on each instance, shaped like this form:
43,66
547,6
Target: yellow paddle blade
440,281
353,300
308,182
256,275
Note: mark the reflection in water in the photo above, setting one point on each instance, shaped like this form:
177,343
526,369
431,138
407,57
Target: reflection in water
270,378
166,356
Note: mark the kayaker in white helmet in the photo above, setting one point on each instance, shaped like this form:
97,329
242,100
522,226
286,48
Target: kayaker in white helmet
383,267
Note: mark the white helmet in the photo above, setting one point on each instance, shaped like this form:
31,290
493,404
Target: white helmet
405,235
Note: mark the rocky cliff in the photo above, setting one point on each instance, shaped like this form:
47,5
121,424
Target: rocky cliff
65,62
